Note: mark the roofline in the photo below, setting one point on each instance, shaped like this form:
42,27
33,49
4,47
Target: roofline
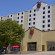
52,4
40,1
14,13
39,29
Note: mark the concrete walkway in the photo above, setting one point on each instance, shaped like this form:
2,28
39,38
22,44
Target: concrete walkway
34,53
45,53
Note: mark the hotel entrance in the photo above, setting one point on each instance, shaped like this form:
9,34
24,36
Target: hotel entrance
32,46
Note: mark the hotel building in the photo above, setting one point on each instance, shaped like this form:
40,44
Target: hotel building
42,18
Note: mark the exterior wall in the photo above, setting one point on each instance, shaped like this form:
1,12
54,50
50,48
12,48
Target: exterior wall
6,17
14,16
30,18
48,36
53,17
25,21
21,17
41,37
39,17
35,38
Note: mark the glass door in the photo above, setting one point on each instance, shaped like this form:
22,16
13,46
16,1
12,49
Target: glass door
32,46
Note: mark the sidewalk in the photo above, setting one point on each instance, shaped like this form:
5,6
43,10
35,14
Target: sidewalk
34,53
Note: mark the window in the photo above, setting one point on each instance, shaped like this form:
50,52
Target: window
11,15
48,25
48,20
48,7
34,10
43,16
29,23
34,14
29,27
48,11
34,23
18,13
18,17
21,16
43,21
22,13
17,21
33,18
43,8
8,16
48,16
29,19
43,26
29,15
48,29
21,21
44,12
30,11
1,18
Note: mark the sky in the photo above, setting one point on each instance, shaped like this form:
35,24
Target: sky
14,6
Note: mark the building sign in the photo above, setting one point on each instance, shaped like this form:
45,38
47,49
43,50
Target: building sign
38,4
31,31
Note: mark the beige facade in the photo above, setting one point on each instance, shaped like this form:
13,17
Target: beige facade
42,39
53,17
25,23
14,16
4,18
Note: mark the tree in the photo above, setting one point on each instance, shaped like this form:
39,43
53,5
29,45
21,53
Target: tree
10,32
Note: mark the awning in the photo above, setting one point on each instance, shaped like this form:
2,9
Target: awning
16,46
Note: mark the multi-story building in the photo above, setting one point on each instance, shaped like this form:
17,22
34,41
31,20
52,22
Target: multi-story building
42,17
20,17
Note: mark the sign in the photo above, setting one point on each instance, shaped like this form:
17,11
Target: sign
31,31
38,4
